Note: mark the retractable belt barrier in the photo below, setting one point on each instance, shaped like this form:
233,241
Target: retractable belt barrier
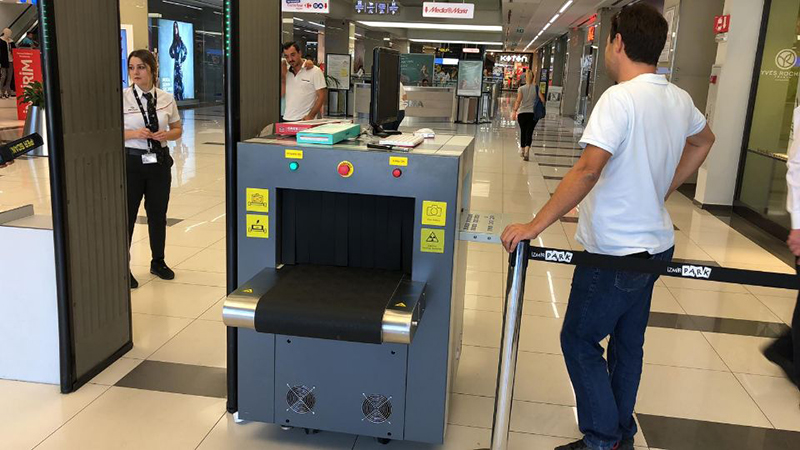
515,288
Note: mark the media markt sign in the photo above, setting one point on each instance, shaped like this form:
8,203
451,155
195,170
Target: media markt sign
448,10
306,6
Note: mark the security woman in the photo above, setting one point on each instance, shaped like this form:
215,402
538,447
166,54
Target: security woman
151,119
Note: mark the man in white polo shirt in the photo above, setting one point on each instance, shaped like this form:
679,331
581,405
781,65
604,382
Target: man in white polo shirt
643,140
306,89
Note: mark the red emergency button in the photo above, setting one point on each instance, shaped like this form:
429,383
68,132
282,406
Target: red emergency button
397,173
345,169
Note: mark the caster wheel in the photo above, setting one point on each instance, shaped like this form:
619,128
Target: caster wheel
286,427
311,431
383,441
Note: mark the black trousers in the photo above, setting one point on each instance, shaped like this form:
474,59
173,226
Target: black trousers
788,344
151,181
526,126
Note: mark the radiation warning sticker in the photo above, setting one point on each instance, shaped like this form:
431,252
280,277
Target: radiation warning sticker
434,213
257,226
257,200
432,240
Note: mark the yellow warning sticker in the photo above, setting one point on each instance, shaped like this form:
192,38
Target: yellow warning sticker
248,291
434,213
257,200
293,154
432,240
257,226
398,161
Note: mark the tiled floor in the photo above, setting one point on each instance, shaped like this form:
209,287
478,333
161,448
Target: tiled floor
705,383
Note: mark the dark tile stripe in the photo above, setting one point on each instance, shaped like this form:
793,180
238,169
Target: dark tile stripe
569,219
177,378
717,325
555,165
142,220
686,434
552,178
213,143
554,155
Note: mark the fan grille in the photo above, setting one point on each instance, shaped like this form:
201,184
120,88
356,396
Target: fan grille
301,399
377,408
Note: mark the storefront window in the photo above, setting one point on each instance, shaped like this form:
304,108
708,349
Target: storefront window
512,68
763,186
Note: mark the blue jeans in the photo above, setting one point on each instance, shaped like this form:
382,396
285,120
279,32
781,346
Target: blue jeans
607,303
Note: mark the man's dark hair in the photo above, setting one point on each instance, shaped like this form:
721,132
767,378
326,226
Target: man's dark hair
294,44
643,30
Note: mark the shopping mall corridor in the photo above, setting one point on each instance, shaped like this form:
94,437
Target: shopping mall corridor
705,383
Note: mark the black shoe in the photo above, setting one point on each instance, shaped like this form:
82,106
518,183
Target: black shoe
134,283
626,444
159,268
581,445
577,445
774,354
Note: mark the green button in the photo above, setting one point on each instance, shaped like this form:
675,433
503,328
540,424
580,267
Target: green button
293,166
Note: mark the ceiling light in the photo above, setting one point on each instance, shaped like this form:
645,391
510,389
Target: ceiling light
432,26
387,39
437,41
317,24
359,35
555,18
298,19
566,5
546,27
288,21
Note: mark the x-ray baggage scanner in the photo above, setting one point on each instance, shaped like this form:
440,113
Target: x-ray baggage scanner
351,277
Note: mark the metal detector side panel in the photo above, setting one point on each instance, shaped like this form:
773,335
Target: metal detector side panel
340,386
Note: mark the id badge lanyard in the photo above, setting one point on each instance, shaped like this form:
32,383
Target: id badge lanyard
144,114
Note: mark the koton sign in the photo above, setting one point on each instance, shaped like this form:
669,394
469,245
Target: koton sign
306,6
448,10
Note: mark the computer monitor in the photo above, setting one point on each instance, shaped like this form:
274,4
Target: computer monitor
385,94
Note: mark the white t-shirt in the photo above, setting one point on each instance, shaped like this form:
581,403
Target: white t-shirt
301,92
403,103
166,110
644,124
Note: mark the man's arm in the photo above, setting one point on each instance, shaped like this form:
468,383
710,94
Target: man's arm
694,153
573,188
322,94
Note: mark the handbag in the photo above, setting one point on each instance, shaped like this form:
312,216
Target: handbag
539,110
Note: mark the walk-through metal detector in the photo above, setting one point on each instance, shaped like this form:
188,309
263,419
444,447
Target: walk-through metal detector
87,181
346,278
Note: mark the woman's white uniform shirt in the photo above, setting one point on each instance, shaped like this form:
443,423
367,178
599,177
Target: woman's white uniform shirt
166,110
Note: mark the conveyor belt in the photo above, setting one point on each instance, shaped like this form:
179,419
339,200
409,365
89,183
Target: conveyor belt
329,302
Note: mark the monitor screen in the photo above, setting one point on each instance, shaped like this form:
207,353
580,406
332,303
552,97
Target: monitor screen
385,99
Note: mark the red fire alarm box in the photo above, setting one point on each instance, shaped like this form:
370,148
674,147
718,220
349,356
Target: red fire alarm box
722,24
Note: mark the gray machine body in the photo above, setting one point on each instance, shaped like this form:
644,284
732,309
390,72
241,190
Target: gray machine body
345,378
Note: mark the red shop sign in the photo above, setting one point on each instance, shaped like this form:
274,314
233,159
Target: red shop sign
27,69
722,24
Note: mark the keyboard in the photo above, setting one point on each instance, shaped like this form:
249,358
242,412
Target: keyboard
402,140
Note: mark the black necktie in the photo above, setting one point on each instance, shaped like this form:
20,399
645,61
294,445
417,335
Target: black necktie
152,118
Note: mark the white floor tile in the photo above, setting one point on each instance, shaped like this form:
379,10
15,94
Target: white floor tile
202,343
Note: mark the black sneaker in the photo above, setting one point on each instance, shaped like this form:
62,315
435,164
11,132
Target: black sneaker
134,283
577,445
581,445
159,268
774,354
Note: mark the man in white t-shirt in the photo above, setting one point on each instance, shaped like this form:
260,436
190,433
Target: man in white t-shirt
644,139
306,89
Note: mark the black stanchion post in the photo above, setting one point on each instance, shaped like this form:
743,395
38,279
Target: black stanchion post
509,346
